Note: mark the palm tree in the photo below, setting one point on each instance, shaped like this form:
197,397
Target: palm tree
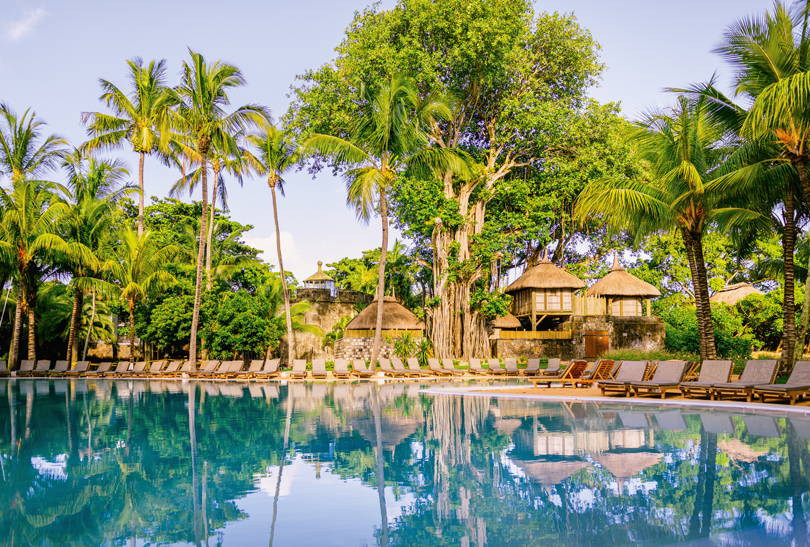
680,147
275,155
140,118
362,279
387,136
203,124
95,186
135,270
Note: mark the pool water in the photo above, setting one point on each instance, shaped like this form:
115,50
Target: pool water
115,462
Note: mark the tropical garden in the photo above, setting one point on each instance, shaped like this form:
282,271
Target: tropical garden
467,127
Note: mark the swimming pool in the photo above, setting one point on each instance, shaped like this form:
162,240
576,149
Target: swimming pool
116,462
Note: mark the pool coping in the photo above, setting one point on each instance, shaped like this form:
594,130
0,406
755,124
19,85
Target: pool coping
725,406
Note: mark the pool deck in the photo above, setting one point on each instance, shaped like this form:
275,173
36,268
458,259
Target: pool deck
589,395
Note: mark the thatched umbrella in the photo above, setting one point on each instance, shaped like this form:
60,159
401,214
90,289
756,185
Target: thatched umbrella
508,321
624,289
395,317
624,465
731,294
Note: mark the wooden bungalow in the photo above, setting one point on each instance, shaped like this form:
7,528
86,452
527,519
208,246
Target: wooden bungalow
544,290
625,293
731,294
396,320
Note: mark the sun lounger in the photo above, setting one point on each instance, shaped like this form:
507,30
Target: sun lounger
399,367
667,377
385,366
254,367
436,367
361,369
60,368
510,364
447,364
796,387
756,372
495,367
234,369
761,426
208,370
172,370
4,372
476,368
156,368
711,372
552,369
412,364
341,369
42,369
600,371
80,370
120,370
26,367
139,369
270,370
630,371
571,375
318,368
634,420
299,369
671,420
532,368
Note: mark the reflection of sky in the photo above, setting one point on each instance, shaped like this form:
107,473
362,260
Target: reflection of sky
52,470
325,511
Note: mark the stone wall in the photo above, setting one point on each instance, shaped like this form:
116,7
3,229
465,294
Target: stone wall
360,348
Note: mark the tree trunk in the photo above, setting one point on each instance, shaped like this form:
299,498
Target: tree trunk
13,356
789,303
702,293
287,313
90,326
210,232
195,318
75,325
375,351
690,253
801,334
132,330
31,305
140,197
375,403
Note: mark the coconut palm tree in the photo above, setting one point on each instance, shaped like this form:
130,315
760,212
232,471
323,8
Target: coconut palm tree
94,189
133,272
203,124
387,136
140,118
680,147
275,154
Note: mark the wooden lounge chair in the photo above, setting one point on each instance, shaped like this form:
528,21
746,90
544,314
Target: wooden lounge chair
532,368
495,367
341,369
630,371
230,369
80,370
156,368
476,368
26,367
42,369
614,370
60,368
668,377
119,371
571,375
318,368
413,366
436,367
447,364
796,387
389,370
400,368
511,367
254,367
209,369
172,370
139,369
711,372
299,369
691,373
756,372
600,371
552,369
361,369
270,370
4,372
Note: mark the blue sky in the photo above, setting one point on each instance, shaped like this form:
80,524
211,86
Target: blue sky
52,54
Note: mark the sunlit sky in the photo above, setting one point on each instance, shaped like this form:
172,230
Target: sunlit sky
52,54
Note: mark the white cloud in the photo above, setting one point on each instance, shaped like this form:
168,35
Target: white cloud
293,260
17,29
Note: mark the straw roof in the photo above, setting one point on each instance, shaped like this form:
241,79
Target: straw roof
731,294
624,465
395,317
550,472
618,282
545,276
508,321
507,426
394,430
319,275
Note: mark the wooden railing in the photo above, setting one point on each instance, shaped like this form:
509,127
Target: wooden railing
590,305
535,335
385,333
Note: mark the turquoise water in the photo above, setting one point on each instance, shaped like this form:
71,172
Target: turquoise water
112,462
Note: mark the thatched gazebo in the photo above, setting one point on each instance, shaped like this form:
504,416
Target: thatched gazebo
624,465
507,322
731,294
396,320
394,430
550,472
544,290
625,293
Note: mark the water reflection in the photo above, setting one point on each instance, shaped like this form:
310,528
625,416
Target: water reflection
129,462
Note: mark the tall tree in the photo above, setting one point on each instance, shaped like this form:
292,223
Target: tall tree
387,136
203,123
140,118
275,154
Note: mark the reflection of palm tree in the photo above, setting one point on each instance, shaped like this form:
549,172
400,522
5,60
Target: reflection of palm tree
795,469
281,464
700,525
380,464
192,432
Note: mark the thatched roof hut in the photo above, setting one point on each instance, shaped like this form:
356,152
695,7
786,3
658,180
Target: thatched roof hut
544,290
550,472
507,425
731,294
395,317
508,321
394,430
624,291
624,465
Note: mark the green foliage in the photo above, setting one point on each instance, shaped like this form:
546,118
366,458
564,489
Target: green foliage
241,324
404,345
424,351
492,304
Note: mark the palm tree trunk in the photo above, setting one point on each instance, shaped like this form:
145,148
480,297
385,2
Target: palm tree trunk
287,313
31,305
13,356
75,323
140,197
195,318
789,302
690,254
288,422
375,351
132,330
90,326
210,233
702,293
380,464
